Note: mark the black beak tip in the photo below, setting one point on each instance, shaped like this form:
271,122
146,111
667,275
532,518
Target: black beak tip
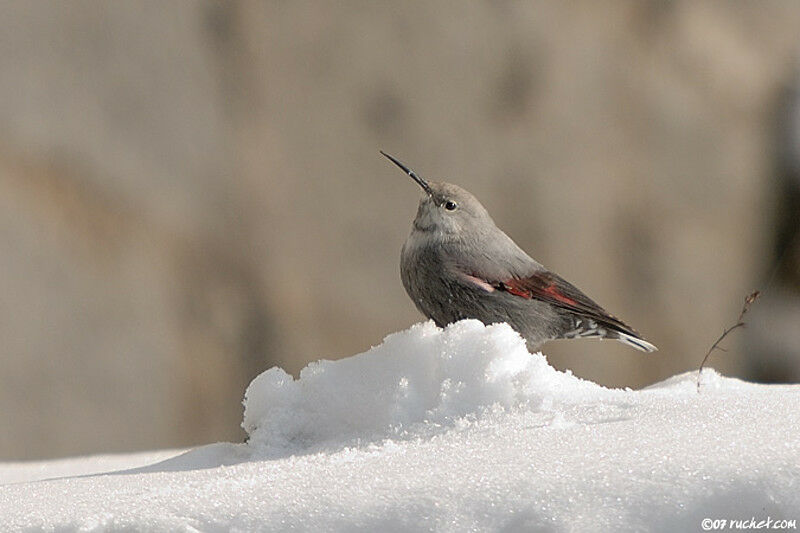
392,159
410,172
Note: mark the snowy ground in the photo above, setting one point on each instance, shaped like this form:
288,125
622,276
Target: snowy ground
450,430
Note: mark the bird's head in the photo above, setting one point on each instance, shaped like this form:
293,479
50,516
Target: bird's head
445,209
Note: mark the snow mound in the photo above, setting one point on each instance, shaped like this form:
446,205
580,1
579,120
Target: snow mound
455,429
710,381
419,380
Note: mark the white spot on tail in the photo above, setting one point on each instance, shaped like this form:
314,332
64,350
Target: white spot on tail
637,343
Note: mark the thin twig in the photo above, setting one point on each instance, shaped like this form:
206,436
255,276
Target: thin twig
739,323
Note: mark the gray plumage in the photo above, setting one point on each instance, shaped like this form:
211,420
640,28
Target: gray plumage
458,264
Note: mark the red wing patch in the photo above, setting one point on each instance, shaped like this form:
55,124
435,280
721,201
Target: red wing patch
553,291
516,291
537,287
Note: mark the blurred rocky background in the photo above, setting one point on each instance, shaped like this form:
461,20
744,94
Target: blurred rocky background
191,192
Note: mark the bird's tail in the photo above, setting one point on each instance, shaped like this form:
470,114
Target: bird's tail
636,342
583,328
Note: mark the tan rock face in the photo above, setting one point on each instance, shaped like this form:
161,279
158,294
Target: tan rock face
191,193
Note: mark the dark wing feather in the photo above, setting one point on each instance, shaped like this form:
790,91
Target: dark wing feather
555,290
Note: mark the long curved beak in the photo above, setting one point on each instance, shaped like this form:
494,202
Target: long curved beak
422,182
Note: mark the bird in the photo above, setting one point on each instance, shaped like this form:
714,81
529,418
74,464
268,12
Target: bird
457,264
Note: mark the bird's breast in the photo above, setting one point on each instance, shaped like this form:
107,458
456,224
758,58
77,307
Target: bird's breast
421,264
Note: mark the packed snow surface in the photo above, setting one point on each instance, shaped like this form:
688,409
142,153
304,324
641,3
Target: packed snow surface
453,429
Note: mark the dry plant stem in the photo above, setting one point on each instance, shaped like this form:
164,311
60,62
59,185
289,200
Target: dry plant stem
739,323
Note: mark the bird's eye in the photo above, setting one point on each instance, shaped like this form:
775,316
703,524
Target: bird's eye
450,205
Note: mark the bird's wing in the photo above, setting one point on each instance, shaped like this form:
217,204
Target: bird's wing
558,292
587,318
